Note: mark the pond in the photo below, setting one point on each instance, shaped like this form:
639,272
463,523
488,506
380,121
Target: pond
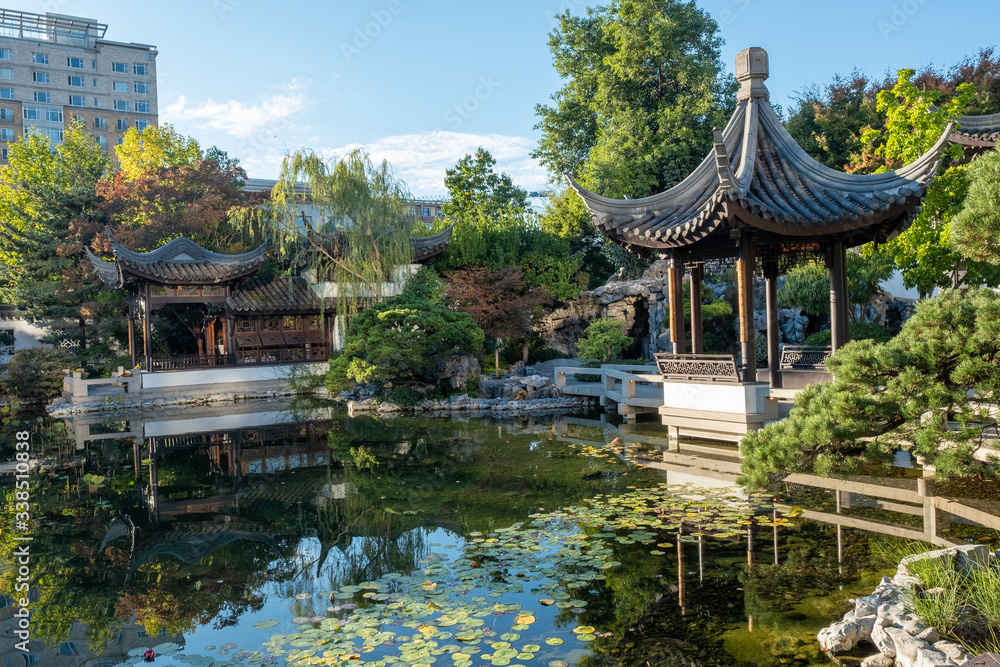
273,533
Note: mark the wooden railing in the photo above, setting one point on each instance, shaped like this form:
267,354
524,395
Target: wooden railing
252,357
698,367
805,357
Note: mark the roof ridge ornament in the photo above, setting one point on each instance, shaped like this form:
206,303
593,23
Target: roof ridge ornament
751,71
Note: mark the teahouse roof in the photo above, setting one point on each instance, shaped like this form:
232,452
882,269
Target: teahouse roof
284,294
977,134
179,262
758,175
426,248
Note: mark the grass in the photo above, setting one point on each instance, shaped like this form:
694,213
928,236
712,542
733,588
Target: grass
953,592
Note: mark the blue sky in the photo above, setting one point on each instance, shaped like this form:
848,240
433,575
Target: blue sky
423,83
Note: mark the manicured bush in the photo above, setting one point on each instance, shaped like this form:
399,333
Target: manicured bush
605,340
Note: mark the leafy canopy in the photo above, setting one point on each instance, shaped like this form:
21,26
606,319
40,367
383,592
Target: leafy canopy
944,365
605,340
155,147
975,232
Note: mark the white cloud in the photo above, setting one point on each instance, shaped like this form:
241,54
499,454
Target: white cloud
240,119
421,159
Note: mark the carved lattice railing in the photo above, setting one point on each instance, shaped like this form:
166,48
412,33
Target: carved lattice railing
698,367
805,357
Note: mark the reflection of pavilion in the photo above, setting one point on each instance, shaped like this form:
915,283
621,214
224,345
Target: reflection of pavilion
708,465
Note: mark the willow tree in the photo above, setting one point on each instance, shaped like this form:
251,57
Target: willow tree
359,237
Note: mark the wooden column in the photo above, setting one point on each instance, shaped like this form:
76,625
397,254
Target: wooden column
744,284
133,310
675,286
147,328
839,303
697,326
773,333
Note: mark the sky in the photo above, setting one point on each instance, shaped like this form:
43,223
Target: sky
422,84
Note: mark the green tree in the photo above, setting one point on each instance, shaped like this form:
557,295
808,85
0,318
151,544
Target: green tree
975,231
915,119
605,340
47,198
361,237
644,87
922,392
403,340
478,192
156,147
808,286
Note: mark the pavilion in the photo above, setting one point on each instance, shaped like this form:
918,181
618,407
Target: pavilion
760,202
250,320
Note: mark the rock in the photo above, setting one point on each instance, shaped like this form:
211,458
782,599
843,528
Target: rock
906,646
932,658
883,642
519,394
866,606
972,557
877,660
867,625
839,637
459,369
953,651
915,627
929,635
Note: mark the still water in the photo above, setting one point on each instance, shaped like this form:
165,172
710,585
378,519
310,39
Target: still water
275,533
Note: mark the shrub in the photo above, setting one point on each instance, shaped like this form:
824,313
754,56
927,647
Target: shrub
605,340
34,374
404,396
858,331
403,340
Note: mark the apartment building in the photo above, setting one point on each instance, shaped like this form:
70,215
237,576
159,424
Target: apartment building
56,68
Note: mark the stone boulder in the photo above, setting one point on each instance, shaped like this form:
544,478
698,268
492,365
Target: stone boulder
459,369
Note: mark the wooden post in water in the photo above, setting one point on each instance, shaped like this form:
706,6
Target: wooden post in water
681,588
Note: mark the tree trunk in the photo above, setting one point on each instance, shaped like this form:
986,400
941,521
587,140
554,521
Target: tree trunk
524,352
496,352
83,332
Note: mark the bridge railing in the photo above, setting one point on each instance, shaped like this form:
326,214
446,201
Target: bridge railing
805,357
698,367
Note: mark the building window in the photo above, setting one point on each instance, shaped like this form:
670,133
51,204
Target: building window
140,69
45,98
77,118
40,58
6,114
6,73
6,54
102,142
120,68
100,123
121,140
142,107
40,77
76,81
7,134
3,153
55,135
93,64
75,63
54,115
141,124
121,124
121,105
140,88
119,86
95,83
6,93
95,102
77,101
32,113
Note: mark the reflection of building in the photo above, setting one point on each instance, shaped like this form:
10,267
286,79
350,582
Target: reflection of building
55,69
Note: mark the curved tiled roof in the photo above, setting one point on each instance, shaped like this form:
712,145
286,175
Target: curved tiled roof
179,262
426,248
758,174
282,295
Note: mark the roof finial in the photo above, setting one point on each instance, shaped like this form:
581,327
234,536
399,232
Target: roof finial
751,70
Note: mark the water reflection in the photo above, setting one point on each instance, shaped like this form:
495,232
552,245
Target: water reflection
193,526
